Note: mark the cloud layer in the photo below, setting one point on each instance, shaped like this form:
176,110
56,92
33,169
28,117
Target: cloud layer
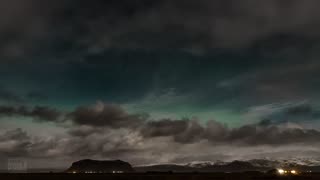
108,131
180,24
40,113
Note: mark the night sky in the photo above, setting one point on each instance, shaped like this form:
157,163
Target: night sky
161,81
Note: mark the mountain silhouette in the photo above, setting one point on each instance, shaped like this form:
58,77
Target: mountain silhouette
118,166
94,166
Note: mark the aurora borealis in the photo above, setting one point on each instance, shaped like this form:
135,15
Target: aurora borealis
162,81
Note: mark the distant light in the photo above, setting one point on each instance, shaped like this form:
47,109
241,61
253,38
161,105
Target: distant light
117,172
281,171
74,172
293,172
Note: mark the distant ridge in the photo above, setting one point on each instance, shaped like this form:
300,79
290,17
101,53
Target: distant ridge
235,166
262,165
94,166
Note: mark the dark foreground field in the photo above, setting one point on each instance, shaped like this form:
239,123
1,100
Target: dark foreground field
194,176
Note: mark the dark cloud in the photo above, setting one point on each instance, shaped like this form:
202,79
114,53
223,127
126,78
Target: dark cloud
105,115
83,131
97,36
113,116
98,25
133,146
117,42
304,109
184,131
188,131
39,113
186,24
217,133
108,131
303,113
271,135
23,23
166,127
44,113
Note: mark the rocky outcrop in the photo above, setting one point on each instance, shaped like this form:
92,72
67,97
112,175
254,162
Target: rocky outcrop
93,166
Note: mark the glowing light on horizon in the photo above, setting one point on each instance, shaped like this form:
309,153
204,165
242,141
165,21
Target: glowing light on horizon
281,171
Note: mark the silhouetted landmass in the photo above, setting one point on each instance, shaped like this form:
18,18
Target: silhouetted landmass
120,170
235,166
93,166
118,166
165,168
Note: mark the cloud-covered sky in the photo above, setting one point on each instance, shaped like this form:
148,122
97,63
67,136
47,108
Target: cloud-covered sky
163,81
